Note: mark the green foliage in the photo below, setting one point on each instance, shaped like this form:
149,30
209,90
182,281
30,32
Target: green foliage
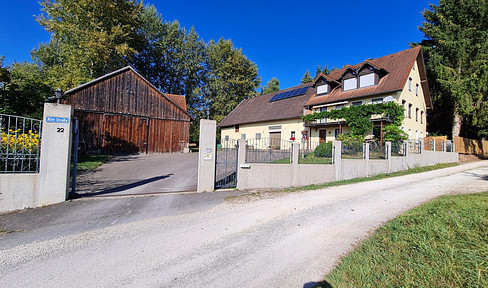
307,78
324,150
456,56
392,133
272,85
22,91
89,38
358,117
439,244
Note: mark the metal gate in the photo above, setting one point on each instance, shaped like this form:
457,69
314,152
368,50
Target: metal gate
226,164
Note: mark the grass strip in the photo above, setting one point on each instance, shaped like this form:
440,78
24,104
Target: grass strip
91,162
441,243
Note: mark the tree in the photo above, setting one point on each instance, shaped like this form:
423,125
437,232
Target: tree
272,85
307,78
456,55
318,71
231,78
22,91
89,38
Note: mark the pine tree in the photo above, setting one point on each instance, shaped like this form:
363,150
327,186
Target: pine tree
307,78
272,85
456,54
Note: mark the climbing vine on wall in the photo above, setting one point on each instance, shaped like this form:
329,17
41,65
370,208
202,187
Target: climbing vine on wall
358,117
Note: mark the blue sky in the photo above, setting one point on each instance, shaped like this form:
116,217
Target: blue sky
284,38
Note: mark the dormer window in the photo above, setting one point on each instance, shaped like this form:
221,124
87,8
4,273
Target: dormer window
323,89
350,84
367,80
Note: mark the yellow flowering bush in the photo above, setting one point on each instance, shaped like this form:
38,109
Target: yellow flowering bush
14,141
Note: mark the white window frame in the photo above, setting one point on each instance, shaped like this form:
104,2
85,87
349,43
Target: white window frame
369,80
417,89
350,84
322,89
376,100
360,103
410,83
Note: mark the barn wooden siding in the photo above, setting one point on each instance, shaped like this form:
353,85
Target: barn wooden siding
124,113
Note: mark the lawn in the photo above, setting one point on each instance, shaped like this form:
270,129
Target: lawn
442,243
91,162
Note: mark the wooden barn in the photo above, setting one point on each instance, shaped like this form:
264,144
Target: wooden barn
121,112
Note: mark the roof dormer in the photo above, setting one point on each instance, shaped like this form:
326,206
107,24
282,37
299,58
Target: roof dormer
324,84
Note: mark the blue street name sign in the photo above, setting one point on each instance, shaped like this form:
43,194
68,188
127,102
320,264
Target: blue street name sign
57,120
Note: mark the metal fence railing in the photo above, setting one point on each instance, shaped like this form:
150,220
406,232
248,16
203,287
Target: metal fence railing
414,146
314,152
20,140
269,150
398,148
352,150
377,150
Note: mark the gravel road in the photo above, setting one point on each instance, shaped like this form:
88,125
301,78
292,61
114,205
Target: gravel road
285,240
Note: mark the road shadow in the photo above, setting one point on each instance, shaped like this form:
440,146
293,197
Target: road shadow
321,284
121,188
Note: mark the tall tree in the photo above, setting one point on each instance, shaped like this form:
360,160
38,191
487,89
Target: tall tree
318,71
89,38
231,78
171,58
307,78
272,85
456,54
22,91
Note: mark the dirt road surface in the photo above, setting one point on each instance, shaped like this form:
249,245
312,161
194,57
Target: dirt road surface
289,240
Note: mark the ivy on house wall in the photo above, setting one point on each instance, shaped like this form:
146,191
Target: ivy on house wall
358,117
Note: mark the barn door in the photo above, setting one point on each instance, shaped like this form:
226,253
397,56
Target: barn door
125,134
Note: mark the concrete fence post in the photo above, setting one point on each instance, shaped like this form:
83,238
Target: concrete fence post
337,158
294,161
406,153
366,158
388,154
55,154
433,145
206,156
421,145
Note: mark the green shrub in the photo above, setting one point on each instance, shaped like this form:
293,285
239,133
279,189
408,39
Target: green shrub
324,150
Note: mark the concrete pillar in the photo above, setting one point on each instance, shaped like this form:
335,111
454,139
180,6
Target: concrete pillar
55,154
366,158
337,158
421,145
388,154
433,145
294,161
206,156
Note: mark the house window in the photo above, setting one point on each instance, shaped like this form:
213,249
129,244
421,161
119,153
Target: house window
376,100
292,136
357,103
417,114
236,128
350,84
422,117
340,106
417,89
410,111
410,83
366,80
258,136
243,136
404,104
337,132
322,89
226,138
409,133
376,132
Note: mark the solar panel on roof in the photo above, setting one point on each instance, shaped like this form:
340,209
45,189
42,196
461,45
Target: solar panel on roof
289,94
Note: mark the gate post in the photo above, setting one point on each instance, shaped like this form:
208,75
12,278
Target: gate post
206,156
55,154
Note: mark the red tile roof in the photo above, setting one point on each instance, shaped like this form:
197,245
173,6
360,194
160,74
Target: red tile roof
398,66
259,109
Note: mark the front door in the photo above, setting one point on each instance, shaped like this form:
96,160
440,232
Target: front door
322,135
275,140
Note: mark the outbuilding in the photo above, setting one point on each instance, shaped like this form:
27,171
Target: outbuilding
122,112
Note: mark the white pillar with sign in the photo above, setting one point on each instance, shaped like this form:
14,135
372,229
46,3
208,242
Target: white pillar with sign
55,154
206,157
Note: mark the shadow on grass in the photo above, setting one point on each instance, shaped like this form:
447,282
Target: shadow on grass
321,284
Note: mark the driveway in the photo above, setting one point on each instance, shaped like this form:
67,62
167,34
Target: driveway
141,174
265,240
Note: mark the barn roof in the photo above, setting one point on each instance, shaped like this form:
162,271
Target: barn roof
178,100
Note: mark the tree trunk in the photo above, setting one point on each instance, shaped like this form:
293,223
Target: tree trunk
456,123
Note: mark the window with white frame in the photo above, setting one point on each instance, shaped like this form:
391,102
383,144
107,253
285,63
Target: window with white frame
322,89
350,84
292,135
258,136
421,117
357,103
410,111
366,80
417,89
243,136
340,106
226,137
410,83
417,114
376,100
